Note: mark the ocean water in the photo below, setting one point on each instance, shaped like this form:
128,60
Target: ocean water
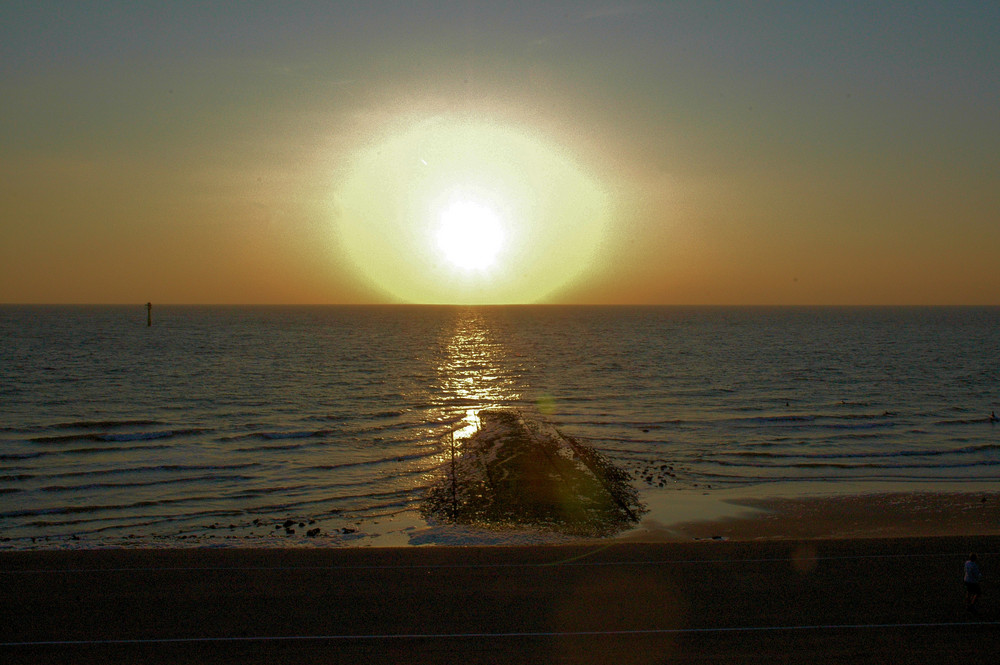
242,425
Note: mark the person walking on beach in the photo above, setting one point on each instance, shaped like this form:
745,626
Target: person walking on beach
972,578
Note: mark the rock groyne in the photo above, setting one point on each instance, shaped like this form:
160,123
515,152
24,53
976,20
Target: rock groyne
516,472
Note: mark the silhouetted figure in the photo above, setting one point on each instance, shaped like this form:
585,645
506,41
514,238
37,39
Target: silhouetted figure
149,314
993,417
972,579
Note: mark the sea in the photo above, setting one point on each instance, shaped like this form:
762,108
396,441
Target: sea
227,426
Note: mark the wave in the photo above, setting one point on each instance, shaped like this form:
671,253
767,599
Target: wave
129,522
123,438
845,426
106,449
148,436
105,424
861,455
95,508
862,465
330,418
837,476
383,460
389,413
965,421
630,424
429,430
386,508
811,422
257,449
153,469
272,489
422,438
268,491
147,483
782,419
14,477
817,421
412,491
371,506
79,451
279,435
865,436
20,456
287,506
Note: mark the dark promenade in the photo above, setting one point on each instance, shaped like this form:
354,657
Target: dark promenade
860,601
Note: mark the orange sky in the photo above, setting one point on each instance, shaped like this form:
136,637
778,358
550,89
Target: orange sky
674,153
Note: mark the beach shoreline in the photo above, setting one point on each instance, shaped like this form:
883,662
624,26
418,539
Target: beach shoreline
676,517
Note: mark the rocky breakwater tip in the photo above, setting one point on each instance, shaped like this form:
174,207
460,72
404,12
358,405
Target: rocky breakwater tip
516,472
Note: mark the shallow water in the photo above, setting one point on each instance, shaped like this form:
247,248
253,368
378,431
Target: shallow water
240,418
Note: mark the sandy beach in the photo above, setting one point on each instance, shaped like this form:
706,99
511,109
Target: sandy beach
886,513
725,594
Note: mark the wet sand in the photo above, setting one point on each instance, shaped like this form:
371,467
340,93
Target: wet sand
779,601
885,514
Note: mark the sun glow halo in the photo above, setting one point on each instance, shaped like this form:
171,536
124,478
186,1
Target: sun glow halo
452,211
470,235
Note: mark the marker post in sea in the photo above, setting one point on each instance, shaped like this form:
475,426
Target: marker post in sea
149,314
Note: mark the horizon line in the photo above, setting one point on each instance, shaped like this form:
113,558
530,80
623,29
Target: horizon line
525,304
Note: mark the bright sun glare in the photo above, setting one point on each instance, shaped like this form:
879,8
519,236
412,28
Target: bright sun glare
470,235
455,211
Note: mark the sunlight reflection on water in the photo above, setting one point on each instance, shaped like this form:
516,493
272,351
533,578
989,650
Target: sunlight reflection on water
473,373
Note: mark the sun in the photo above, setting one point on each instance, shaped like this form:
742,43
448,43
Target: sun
456,211
470,235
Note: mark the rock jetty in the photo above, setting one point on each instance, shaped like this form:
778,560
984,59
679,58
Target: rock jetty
516,472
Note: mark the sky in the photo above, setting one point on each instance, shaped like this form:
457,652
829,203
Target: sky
718,153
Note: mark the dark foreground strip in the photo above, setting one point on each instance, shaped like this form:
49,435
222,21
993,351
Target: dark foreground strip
574,561
426,636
